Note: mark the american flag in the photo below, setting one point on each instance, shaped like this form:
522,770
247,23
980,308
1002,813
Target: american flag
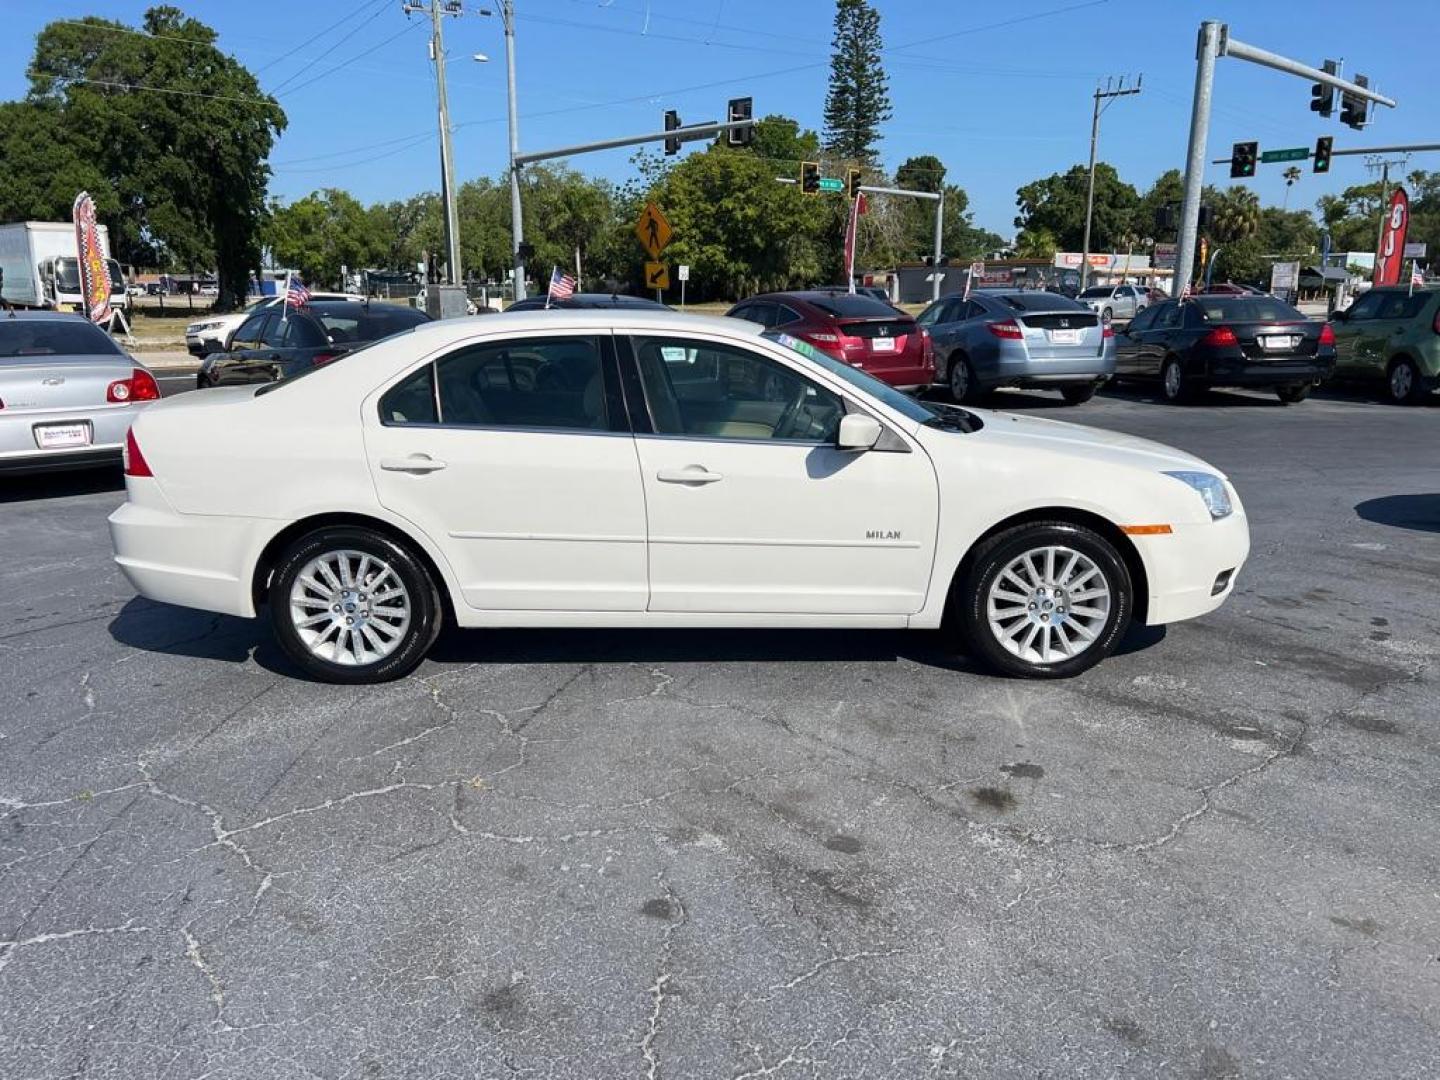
562,286
296,294
1417,276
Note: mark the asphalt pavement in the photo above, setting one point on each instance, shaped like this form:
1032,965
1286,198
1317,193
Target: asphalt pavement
595,854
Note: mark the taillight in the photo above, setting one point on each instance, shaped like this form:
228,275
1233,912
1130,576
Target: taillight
140,386
1222,337
320,359
1327,334
135,463
1009,329
823,339
1109,331
927,348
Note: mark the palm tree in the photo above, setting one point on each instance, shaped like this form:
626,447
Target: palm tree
1236,215
1291,174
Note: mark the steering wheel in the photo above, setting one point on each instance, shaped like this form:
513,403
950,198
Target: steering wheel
792,410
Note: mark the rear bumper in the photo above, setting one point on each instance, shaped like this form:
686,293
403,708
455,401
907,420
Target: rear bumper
44,461
1185,567
1014,366
20,452
192,560
1281,371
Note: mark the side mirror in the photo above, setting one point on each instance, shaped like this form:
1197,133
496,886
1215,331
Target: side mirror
858,432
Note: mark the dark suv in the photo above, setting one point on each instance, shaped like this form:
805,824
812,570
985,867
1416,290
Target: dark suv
859,330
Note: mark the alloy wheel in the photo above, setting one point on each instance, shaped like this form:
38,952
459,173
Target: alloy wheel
959,378
1048,604
1402,382
350,607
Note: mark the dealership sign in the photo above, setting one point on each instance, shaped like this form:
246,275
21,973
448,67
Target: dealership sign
1392,240
94,273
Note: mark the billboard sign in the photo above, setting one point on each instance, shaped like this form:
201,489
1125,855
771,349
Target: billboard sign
94,273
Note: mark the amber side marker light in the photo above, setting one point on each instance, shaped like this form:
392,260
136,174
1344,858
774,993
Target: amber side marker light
1145,530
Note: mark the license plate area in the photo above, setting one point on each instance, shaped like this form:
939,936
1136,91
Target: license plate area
63,436
882,344
1279,342
1063,337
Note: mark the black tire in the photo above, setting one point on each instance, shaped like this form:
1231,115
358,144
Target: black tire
1293,395
960,378
1078,395
1176,386
993,556
421,599
1402,383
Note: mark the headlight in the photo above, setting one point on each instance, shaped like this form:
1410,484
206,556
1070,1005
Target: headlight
1211,489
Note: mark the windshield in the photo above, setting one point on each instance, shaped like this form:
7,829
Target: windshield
1097,292
54,337
67,275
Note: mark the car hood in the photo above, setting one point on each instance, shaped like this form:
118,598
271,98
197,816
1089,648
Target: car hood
1031,433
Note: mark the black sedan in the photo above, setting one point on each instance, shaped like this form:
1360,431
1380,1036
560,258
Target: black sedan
273,345
588,300
1253,341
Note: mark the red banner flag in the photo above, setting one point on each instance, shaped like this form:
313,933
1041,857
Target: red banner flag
1391,256
94,273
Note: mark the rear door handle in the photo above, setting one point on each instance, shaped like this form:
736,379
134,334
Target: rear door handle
415,463
691,474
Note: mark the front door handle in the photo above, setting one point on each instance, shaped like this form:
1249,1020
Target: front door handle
691,474
415,463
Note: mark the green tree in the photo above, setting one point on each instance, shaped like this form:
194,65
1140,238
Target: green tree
960,239
1235,215
322,232
179,131
858,99
781,141
1352,217
43,170
1168,190
1036,243
1056,203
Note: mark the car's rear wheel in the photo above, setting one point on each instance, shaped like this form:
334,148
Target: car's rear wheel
1078,395
349,605
961,377
1402,384
1045,601
1291,395
1174,384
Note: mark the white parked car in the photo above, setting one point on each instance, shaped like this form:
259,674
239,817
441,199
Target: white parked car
617,468
213,333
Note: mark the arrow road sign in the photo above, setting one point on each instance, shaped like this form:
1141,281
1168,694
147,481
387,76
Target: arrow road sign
657,275
1295,153
653,230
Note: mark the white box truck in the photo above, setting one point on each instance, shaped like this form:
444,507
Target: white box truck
38,259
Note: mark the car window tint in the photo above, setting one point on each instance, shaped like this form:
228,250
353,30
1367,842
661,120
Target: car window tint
711,391
54,337
251,332
1365,307
1401,306
784,316
1144,320
933,313
1167,316
846,305
542,382
1041,301
412,401
1216,309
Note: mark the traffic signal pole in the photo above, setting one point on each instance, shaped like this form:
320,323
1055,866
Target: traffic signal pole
1214,42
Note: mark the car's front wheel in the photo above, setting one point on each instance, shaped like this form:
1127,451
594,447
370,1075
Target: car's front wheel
1046,600
1403,384
349,605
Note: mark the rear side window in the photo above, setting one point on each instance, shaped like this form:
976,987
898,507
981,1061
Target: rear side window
54,337
537,383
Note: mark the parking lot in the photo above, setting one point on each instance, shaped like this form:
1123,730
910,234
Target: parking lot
745,854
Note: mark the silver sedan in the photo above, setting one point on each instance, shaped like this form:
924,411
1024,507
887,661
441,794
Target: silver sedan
67,393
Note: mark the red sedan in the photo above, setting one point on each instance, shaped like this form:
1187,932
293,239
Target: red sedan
860,330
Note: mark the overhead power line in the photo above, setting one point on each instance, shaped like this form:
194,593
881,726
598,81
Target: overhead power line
374,6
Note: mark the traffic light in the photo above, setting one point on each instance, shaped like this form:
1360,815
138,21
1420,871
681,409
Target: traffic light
852,182
1322,154
740,108
672,121
1322,95
1354,111
1167,218
1242,159
810,177
1202,220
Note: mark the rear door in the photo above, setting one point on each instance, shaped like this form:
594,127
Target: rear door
515,457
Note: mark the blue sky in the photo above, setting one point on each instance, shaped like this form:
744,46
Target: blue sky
999,92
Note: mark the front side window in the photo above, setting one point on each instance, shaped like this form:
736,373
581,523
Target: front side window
251,332
1144,320
934,313
1364,307
535,383
712,391
1167,316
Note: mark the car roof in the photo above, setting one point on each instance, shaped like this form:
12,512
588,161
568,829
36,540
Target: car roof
639,319
590,300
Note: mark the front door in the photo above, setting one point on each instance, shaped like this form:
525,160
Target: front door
1353,332
516,459
753,509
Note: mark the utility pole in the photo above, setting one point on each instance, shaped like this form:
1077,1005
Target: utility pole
438,8
1383,164
1107,96
517,224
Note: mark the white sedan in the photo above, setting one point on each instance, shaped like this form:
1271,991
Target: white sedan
616,468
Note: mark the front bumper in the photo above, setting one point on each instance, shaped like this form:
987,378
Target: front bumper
1184,567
